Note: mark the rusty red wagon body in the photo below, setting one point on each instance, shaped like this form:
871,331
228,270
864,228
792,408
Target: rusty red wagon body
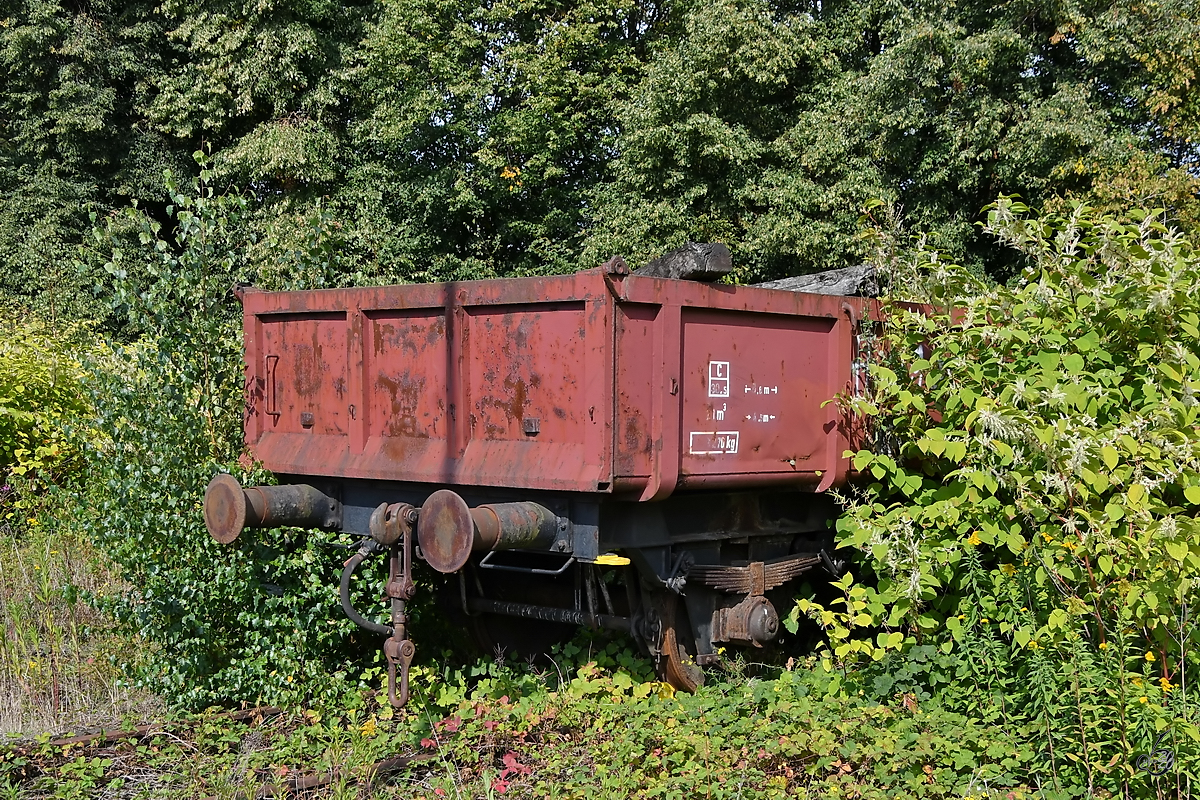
599,419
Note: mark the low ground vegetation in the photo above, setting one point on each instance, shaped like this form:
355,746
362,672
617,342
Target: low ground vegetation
584,727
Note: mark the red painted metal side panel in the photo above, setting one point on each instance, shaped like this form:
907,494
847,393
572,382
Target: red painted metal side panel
488,383
753,385
634,440
589,382
752,368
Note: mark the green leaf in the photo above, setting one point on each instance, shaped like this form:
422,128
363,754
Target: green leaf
1109,455
1177,550
956,451
1047,360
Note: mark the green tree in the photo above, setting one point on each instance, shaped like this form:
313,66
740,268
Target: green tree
769,126
482,128
70,136
99,99
446,138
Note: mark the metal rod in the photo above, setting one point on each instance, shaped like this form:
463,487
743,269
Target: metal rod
591,593
604,593
462,594
547,613
486,563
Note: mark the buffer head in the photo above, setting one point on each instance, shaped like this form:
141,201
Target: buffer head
224,508
445,531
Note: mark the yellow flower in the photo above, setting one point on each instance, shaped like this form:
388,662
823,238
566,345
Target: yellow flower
1104,645
1149,655
974,540
1141,699
1008,569
1164,684
986,620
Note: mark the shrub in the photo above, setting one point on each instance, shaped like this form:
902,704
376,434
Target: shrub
249,622
39,394
1031,520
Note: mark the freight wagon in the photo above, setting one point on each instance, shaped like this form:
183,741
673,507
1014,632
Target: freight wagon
534,436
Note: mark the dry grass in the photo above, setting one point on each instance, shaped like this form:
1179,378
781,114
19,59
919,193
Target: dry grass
58,654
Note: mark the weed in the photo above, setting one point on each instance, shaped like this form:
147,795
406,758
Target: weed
59,656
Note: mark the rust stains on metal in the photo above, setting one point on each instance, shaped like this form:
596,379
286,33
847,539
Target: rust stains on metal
405,394
309,367
224,508
642,384
229,508
445,531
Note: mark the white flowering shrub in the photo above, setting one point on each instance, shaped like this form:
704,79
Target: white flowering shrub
1028,523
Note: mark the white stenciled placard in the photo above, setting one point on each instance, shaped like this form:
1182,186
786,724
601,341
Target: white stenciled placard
718,379
713,443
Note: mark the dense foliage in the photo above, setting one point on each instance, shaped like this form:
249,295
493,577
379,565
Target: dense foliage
40,396
1027,548
454,138
221,623
1037,480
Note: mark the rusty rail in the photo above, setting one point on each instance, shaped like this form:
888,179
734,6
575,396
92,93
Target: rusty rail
140,732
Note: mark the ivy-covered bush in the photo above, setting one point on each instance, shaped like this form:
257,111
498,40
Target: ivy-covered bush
1029,529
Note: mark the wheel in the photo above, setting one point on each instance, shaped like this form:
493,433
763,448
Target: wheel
676,660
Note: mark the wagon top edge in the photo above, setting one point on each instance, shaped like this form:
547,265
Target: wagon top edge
589,285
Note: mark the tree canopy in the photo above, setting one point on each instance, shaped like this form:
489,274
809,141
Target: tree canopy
435,139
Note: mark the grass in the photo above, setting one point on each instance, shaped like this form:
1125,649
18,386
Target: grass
58,655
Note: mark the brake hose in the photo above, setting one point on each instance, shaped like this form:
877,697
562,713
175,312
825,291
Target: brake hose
355,617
